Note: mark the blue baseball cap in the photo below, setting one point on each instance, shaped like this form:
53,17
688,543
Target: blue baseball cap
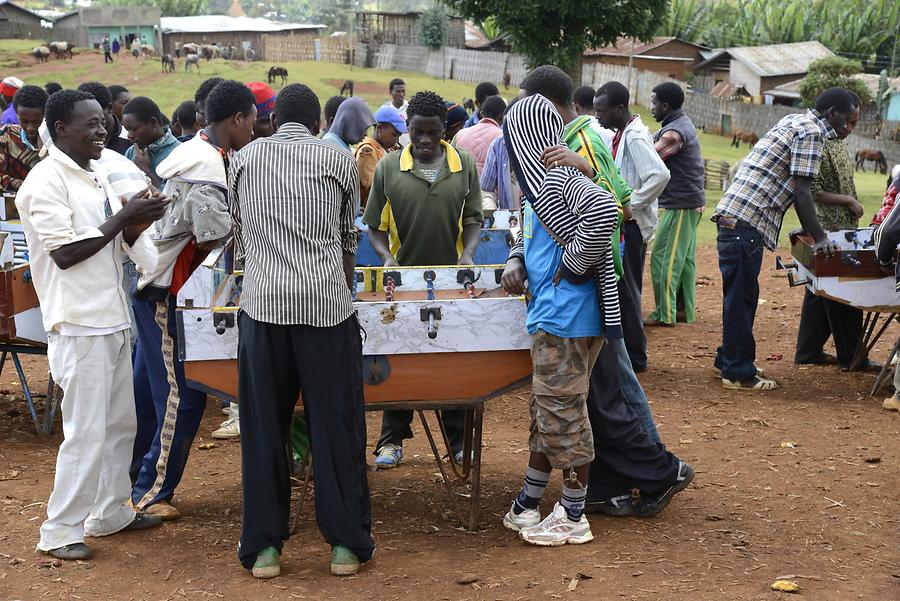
388,114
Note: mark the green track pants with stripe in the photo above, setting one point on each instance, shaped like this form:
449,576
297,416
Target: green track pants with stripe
673,264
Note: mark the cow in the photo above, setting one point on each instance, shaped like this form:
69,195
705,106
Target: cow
168,63
192,59
190,48
61,49
41,54
347,87
147,50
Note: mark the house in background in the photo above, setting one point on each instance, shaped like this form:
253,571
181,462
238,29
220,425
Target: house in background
17,22
267,38
402,28
666,56
87,27
760,69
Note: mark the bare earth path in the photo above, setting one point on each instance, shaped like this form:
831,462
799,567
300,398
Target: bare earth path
825,511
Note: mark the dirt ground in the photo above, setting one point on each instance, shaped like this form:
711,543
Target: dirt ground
824,512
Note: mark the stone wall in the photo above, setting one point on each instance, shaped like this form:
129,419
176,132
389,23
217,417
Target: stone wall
642,82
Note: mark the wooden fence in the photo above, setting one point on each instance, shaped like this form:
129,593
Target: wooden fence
716,175
332,50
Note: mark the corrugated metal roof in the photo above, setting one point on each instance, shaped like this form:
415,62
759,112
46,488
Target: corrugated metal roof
728,90
780,59
622,46
791,89
218,23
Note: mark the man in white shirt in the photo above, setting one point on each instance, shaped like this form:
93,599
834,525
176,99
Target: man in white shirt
639,163
78,235
397,90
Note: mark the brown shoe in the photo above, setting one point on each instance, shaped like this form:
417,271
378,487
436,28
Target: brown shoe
649,322
163,510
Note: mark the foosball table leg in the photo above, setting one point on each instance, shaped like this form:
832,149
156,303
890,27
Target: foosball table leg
437,459
475,499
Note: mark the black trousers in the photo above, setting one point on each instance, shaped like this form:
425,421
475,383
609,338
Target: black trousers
395,428
624,458
633,260
821,318
276,363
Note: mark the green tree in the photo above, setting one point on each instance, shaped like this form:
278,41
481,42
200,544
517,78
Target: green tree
686,20
832,72
557,32
433,28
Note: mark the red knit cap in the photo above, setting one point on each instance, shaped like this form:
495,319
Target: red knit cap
265,97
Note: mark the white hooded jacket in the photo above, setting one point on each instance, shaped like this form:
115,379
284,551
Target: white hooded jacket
197,184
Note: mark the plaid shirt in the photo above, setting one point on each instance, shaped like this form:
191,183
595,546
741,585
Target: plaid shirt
16,157
763,188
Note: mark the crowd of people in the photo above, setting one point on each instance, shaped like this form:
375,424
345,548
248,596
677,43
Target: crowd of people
120,204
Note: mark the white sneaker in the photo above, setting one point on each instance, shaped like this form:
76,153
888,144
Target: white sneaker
557,529
231,428
527,519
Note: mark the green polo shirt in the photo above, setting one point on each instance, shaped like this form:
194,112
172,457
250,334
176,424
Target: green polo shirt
424,221
580,137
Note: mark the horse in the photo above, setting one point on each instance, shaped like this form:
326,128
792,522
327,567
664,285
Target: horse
278,72
168,63
347,87
744,136
41,53
876,156
192,59
61,49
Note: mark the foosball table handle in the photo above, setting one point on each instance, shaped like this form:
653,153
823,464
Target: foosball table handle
791,269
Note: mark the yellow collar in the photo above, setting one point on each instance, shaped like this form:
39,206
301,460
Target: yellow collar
454,162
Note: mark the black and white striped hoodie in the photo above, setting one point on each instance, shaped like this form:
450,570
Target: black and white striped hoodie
579,215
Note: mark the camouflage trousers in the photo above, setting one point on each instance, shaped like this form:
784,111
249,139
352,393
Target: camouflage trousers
561,368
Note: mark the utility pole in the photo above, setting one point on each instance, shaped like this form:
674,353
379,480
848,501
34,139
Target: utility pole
630,69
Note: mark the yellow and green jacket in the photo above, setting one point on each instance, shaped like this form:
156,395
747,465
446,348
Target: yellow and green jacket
580,137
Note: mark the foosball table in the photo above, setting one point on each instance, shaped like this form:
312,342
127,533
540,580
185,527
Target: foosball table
21,326
851,276
436,338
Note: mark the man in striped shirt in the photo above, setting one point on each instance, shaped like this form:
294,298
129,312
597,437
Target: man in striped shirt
293,200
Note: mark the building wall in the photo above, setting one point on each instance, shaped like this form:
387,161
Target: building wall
680,49
739,73
674,69
21,30
640,84
95,35
173,41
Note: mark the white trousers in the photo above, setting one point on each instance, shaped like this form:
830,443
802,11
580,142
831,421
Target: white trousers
91,487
